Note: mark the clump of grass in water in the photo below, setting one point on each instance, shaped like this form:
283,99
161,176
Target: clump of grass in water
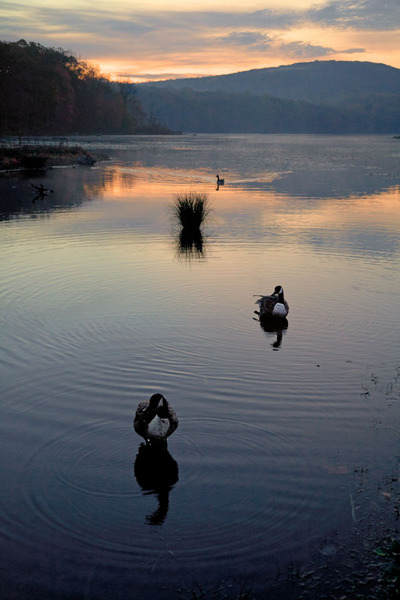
191,210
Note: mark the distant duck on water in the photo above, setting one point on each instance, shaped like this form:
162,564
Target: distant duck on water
155,420
220,181
273,306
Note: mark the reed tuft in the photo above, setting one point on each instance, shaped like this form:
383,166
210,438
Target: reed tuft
191,209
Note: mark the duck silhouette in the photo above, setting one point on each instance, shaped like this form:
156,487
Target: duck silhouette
273,306
155,420
220,181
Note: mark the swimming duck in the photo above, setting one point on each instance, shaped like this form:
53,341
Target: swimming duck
220,181
155,420
273,306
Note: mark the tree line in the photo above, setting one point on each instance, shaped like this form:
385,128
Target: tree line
188,110
49,91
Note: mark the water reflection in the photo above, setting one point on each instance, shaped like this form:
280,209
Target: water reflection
156,473
341,183
190,244
32,193
254,207
97,294
41,192
20,196
274,327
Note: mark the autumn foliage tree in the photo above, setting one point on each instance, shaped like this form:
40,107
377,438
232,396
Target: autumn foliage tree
49,91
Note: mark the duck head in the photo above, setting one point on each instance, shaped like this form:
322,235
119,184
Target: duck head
278,292
156,400
159,404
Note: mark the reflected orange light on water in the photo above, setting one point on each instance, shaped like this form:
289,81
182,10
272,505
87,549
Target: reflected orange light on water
378,211
254,238
122,184
262,206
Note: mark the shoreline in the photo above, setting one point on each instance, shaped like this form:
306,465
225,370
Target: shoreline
27,157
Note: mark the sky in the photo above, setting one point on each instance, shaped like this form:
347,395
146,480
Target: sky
145,40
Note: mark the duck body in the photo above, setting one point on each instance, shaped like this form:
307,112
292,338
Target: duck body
155,420
273,306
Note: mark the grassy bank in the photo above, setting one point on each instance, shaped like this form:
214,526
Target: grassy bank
40,155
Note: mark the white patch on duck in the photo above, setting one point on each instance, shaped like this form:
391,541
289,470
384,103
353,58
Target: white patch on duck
279,310
158,428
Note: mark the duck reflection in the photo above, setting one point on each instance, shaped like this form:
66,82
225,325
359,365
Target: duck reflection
275,327
190,243
219,182
156,473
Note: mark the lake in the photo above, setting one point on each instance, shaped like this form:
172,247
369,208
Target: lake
287,450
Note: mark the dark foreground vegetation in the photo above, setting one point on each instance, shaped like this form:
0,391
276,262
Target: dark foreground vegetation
48,91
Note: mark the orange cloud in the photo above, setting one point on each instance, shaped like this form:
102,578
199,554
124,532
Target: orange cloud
155,39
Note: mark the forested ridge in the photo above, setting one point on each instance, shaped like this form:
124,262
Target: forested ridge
49,91
318,82
316,97
226,112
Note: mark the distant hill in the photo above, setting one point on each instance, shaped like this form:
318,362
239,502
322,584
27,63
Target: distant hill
317,82
317,97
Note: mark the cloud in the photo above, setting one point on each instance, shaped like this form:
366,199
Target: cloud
279,19
364,15
252,39
156,76
309,51
298,49
304,50
195,41
123,19
221,20
120,24
352,51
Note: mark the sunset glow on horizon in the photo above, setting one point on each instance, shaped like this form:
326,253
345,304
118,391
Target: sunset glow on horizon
156,39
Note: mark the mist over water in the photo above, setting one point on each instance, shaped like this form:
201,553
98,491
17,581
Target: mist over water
101,306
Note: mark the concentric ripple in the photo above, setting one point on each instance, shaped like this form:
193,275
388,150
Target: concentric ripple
81,487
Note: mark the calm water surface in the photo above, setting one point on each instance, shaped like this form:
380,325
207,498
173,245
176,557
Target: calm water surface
100,306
